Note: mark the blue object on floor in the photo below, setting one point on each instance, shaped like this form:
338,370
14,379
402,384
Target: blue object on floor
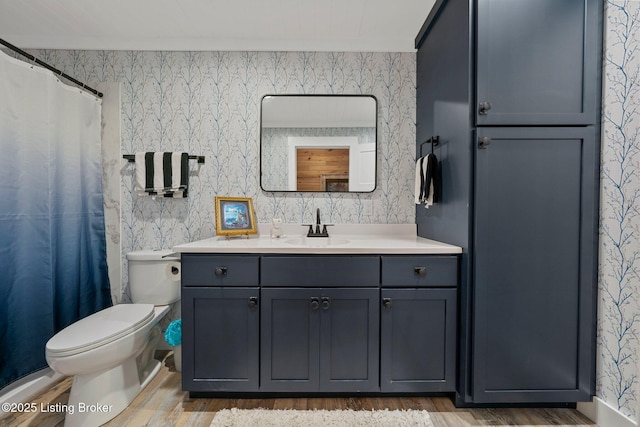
173,334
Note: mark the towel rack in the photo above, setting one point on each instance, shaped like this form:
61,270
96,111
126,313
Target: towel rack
434,141
132,158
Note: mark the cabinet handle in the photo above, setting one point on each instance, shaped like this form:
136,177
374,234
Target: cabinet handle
314,303
483,142
420,271
326,303
253,302
221,271
387,303
483,108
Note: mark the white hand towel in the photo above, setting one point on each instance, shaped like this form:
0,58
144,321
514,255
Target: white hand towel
141,174
425,184
418,182
427,188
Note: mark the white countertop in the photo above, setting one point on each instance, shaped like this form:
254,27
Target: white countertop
344,239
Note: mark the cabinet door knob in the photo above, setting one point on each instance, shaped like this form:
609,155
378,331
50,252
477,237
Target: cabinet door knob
253,302
483,142
221,271
315,303
386,303
326,303
483,108
420,271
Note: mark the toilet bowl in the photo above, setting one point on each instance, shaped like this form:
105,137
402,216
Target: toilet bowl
110,353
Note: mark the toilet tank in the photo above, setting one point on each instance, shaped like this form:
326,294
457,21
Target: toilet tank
152,278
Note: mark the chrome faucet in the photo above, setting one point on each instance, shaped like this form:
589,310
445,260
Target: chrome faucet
317,232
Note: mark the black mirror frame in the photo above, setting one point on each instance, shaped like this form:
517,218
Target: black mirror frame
375,186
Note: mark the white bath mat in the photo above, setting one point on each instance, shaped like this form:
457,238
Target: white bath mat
319,418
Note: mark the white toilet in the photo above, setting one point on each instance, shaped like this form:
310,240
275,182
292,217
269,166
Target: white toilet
110,353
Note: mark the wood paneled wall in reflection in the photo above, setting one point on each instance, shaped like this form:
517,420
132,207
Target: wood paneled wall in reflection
314,163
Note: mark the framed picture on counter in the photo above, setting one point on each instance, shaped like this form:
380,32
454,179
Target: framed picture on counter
235,216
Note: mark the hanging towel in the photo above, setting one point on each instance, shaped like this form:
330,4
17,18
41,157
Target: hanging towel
164,174
426,183
419,183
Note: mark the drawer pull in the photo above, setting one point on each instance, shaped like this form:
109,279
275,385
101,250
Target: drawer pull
314,303
326,303
221,271
387,303
253,302
420,271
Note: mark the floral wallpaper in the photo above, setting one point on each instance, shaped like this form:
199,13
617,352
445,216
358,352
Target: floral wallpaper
619,281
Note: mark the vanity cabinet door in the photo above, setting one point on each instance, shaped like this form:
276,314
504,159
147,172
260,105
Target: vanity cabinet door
349,340
418,340
290,340
220,339
319,340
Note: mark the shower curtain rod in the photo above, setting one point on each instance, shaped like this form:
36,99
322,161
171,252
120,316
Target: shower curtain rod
49,67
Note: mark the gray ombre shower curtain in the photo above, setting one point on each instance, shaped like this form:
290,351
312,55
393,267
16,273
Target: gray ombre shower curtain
52,238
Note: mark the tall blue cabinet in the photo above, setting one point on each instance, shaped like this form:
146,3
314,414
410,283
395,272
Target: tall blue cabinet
512,89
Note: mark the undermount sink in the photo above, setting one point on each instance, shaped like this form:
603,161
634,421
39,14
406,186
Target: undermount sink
316,242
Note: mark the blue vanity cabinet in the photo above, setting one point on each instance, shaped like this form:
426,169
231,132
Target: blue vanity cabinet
297,323
220,324
418,324
320,339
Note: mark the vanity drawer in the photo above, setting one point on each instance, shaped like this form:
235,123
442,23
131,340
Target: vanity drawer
220,270
420,271
319,270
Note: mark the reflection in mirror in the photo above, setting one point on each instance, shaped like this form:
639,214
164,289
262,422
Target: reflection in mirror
318,143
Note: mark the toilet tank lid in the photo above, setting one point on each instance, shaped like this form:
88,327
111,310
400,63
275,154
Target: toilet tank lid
100,328
151,255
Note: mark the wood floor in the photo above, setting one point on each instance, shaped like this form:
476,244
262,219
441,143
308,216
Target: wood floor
163,403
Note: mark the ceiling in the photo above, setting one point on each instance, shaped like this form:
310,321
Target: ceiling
236,25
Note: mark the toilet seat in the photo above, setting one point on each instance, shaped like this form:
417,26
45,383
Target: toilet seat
99,329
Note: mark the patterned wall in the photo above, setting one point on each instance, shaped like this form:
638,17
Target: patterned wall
208,103
619,281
